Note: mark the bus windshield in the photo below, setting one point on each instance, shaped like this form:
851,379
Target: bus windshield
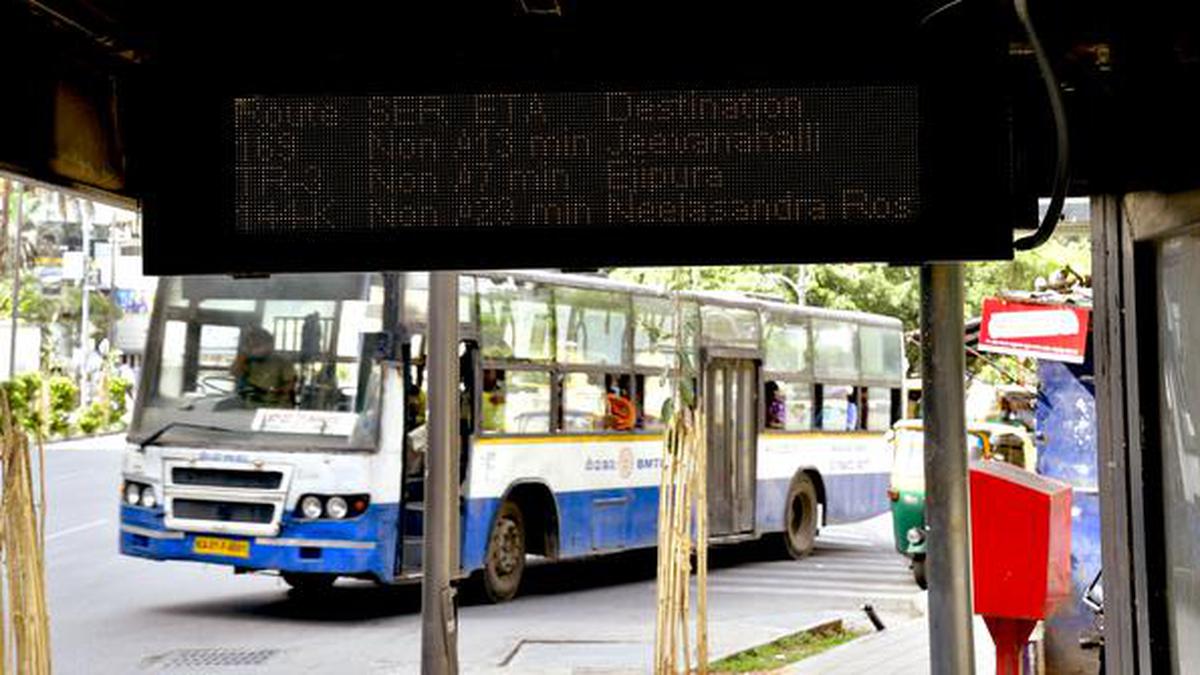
263,362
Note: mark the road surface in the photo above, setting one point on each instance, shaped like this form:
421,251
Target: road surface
112,614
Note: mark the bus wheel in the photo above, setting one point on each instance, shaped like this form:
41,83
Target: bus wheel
308,583
505,554
800,519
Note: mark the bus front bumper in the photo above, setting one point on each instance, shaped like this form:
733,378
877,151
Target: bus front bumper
362,546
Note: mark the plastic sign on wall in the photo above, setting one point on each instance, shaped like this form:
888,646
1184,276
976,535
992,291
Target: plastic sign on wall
1055,332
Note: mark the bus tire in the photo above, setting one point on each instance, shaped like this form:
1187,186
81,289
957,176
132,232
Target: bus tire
800,517
505,561
308,583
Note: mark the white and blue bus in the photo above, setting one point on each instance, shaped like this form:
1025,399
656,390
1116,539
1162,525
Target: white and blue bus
279,422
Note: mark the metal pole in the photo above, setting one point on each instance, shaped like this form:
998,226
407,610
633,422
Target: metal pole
439,620
948,558
16,289
85,218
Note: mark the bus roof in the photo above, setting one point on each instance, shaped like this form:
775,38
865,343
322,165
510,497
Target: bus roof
722,298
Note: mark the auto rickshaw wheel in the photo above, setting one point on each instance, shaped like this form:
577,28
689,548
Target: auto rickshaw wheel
918,570
800,517
505,562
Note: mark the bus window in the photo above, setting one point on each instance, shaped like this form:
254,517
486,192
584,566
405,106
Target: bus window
879,408
788,405
880,353
584,402
653,332
590,326
840,410
516,401
514,320
416,298
833,347
786,346
654,396
729,326
170,376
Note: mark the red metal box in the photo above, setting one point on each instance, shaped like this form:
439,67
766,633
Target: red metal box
1020,541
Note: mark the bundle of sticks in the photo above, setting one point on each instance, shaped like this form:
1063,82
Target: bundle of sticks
25,631
682,530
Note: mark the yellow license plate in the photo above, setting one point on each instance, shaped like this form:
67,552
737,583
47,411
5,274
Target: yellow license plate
231,548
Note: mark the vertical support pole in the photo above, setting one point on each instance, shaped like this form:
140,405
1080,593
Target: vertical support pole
948,561
16,284
439,620
85,352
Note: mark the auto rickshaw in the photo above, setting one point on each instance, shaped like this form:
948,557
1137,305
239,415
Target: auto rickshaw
906,492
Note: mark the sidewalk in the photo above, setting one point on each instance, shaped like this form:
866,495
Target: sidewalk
99,441
901,649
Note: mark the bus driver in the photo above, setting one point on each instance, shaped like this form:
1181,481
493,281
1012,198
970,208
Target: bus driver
263,376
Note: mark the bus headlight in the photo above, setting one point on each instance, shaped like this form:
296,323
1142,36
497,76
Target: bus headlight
310,507
147,497
133,494
332,507
336,508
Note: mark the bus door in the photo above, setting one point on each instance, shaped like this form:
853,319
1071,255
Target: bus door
731,391
412,512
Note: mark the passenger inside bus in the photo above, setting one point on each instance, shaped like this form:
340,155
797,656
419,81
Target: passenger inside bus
263,377
622,416
776,405
493,400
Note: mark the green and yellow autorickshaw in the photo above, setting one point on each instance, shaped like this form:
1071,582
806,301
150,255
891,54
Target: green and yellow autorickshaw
906,491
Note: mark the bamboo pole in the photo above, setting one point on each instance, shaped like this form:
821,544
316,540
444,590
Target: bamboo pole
682,531
702,546
26,624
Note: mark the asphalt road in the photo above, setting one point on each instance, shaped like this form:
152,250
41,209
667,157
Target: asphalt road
112,614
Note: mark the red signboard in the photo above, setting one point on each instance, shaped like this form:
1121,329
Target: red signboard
1056,332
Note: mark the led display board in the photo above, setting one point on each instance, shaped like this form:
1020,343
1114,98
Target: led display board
575,141
782,157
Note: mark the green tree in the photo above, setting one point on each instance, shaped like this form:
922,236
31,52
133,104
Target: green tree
103,312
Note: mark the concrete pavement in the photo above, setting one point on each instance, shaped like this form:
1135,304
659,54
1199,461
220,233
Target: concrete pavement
115,614
902,649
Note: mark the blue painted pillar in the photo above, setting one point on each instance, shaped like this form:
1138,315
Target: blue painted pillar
1066,424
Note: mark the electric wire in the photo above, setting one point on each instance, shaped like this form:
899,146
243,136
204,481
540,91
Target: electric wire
1058,192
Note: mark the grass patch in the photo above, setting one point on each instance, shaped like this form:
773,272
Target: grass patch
785,650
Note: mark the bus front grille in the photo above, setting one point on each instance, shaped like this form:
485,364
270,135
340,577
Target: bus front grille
230,512
226,478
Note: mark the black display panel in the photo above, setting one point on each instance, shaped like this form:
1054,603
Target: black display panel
619,133
787,158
